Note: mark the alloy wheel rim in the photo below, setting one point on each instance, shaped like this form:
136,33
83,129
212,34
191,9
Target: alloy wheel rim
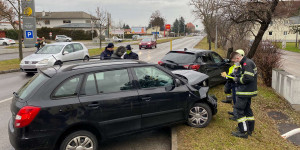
80,143
198,116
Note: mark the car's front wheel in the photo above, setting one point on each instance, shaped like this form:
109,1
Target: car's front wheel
199,115
86,58
80,140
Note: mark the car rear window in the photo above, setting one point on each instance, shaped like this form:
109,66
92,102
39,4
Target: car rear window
35,81
180,58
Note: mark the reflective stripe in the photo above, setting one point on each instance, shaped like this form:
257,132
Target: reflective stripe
241,79
242,119
249,73
246,93
230,77
228,95
250,118
245,126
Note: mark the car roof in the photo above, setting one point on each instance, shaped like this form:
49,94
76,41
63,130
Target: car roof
92,64
63,43
193,50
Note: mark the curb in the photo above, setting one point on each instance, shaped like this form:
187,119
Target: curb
10,71
174,139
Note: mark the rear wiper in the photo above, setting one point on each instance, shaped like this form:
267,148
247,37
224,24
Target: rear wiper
16,95
172,62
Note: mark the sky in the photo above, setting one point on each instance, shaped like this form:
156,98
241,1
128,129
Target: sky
136,13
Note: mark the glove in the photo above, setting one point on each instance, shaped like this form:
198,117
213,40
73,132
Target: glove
230,78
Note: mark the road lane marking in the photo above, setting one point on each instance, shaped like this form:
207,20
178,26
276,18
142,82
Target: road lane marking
2,101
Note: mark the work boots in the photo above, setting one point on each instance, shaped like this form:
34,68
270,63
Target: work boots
240,134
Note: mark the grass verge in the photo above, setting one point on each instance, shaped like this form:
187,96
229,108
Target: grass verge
217,135
15,63
290,46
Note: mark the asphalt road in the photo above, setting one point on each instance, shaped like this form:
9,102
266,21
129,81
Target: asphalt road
147,141
290,62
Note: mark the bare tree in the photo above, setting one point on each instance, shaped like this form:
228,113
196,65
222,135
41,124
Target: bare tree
157,19
9,10
258,12
206,10
100,21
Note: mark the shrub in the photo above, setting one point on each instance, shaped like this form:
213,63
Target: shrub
12,34
74,34
266,58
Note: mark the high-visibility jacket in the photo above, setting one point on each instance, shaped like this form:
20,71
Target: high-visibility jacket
247,82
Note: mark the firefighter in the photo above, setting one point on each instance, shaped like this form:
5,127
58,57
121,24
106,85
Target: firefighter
246,89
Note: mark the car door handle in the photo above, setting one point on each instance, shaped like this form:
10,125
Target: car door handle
147,99
94,105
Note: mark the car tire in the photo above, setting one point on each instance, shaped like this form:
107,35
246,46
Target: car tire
29,73
80,139
4,44
86,58
199,115
155,46
68,41
140,48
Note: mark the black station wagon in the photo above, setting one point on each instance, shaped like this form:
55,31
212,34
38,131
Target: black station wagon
77,106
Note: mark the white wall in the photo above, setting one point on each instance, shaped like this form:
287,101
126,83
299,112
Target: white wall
288,86
58,22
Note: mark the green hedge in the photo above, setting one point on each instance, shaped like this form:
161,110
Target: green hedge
12,34
74,34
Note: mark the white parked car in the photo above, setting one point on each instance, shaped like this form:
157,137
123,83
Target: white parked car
114,39
7,41
54,54
62,38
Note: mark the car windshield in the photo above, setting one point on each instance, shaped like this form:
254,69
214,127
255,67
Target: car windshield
146,40
180,58
50,49
27,88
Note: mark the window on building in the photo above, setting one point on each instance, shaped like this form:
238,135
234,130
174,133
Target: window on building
66,21
47,22
270,32
285,33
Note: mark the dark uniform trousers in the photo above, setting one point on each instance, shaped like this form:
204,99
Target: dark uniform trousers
244,114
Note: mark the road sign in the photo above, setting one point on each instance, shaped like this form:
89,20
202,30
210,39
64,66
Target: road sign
29,22
29,34
155,32
168,26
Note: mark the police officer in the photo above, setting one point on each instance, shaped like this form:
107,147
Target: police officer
246,89
130,54
109,50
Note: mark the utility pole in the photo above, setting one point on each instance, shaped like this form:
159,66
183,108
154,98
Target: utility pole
20,31
108,21
216,40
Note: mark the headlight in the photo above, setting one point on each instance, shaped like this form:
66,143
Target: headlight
149,43
44,61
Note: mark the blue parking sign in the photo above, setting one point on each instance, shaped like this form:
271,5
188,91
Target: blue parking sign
29,34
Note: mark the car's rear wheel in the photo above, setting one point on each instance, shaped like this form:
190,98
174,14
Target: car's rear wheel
82,140
155,46
199,115
68,41
4,43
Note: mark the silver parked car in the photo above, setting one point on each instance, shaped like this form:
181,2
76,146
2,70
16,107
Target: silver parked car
54,54
62,38
7,41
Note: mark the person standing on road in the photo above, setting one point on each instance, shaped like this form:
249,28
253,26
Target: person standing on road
42,42
246,89
109,50
130,54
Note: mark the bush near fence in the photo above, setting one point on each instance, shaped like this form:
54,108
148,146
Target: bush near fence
74,34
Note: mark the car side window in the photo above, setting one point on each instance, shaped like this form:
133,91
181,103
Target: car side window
68,48
216,58
77,47
113,81
149,77
205,58
67,88
89,88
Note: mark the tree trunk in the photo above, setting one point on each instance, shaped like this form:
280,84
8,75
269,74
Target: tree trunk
20,32
100,40
296,39
230,50
209,41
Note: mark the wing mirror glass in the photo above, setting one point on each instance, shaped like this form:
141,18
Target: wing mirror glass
177,82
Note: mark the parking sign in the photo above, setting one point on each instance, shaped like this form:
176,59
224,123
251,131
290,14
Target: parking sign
29,34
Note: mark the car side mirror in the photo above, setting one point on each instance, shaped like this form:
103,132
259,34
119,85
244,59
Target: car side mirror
177,82
65,52
169,88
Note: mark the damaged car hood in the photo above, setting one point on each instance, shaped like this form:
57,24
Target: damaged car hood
192,76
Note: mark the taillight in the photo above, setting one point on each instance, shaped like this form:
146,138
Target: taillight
186,66
194,67
160,63
26,115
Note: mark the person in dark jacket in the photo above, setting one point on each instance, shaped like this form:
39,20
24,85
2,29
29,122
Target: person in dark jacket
118,53
107,53
130,54
246,89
